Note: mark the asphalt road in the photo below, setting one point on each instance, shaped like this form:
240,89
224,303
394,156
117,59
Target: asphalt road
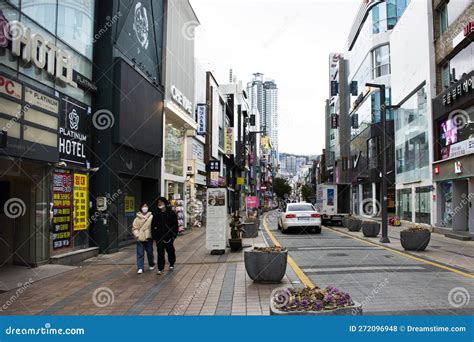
383,281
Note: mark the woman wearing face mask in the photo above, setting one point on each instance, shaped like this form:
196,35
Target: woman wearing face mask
142,233
164,232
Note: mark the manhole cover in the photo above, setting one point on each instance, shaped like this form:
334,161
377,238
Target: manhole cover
338,254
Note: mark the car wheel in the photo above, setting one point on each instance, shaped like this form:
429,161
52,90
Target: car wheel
317,230
284,231
279,226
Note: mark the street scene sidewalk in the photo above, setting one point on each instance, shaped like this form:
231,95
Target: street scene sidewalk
201,284
442,249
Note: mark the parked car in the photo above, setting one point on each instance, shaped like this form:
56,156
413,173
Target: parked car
301,216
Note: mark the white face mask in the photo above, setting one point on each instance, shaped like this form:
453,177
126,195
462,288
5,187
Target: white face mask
161,206
144,210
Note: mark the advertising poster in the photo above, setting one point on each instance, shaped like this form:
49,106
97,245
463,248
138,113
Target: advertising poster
252,206
129,205
330,199
62,191
81,200
216,232
229,140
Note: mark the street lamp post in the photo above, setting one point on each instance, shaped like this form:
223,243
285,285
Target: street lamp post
381,87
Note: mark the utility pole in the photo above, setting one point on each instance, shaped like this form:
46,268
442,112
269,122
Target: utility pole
383,107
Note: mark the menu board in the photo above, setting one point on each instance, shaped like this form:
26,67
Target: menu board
62,191
81,199
216,231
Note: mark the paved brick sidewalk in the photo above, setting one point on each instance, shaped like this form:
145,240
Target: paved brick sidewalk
441,249
201,284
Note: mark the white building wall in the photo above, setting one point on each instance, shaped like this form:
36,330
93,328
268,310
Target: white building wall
412,64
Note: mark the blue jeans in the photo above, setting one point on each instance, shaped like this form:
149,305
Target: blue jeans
141,248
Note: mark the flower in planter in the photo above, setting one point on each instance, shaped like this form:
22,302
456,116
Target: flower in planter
416,227
270,249
311,299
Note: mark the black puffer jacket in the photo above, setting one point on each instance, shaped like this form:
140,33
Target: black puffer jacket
164,225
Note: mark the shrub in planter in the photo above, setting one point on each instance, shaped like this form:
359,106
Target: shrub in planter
315,301
415,238
235,241
370,228
266,264
353,224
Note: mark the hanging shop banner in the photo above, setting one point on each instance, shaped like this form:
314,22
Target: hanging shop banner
229,140
74,132
240,180
129,205
81,200
216,227
201,114
62,193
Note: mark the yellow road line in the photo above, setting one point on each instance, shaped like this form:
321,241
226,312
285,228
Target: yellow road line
304,279
390,249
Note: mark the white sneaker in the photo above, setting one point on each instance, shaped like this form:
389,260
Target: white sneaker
152,268
159,272
171,268
140,271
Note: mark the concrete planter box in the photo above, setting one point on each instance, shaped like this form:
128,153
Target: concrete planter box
266,267
353,224
415,240
355,310
251,228
370,229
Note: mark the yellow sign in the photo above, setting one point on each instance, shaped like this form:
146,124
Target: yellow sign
129,205
265,142
81,201
240,180
229,140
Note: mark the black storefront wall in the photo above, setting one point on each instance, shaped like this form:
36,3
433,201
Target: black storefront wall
450,105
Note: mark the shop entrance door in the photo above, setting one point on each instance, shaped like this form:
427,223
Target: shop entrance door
460,211
16,221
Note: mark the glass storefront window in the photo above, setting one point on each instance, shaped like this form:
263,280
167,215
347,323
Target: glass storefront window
455,8
41,11
422,205
76,24
174,148
372,153
381,61
404,204
446,204
461,64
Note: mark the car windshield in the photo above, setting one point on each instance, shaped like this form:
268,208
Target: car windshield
300,207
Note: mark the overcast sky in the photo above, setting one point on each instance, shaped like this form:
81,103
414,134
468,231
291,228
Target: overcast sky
287,40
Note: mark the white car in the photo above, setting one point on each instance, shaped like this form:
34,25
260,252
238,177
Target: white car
299,215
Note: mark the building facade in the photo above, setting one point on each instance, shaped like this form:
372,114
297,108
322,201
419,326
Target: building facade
453,114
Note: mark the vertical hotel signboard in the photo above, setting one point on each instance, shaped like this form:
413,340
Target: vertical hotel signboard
81,199
62,193
229,140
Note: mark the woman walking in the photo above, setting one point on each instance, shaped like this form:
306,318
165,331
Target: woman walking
164,232
142,233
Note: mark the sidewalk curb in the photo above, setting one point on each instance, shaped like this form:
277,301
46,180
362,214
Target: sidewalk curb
458,270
